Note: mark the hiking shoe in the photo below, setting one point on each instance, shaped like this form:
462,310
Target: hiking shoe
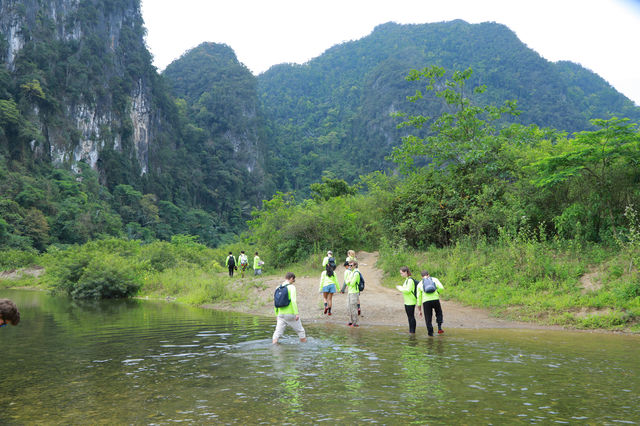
440,331
325,310
329,313
350,324
431,334
356,325
359,313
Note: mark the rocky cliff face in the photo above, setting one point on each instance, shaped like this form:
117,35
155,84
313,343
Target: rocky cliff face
90,60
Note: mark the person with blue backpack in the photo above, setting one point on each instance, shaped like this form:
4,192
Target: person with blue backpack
408,289
429,299
286,309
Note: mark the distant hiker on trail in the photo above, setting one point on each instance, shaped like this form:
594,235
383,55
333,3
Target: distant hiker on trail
329,260
9,313
244,262
286,309
328,286
231,264
429,298
257,265
351,256
352,279
408,289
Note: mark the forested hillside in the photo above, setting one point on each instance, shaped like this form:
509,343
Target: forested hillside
95,142
333,113
92,143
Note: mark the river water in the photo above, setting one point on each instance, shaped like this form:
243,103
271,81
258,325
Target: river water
146,362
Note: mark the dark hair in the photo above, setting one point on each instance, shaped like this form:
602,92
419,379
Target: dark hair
346,264
406,269
9,311
256,253
230,252
242,251
329,269
290,275
424,273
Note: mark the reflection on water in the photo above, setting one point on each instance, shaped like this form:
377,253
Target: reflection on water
158,363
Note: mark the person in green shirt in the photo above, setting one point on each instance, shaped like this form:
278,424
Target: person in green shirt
328,286
408,289
9,313
352,279
288,315
430,302
244,262
257,265
231,263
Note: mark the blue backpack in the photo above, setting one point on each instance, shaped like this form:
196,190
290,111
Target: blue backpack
281,296
428,285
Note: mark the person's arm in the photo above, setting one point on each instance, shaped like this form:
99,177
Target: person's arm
321,280
294,304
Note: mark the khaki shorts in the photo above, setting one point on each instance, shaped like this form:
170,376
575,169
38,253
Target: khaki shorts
288,320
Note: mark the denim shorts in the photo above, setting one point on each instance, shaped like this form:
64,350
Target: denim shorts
331,288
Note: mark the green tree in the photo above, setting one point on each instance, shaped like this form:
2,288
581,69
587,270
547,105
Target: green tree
596,157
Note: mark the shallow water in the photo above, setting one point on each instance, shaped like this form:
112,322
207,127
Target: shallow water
142,362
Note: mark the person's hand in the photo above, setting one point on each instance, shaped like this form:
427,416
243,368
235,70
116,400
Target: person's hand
420,313
297,317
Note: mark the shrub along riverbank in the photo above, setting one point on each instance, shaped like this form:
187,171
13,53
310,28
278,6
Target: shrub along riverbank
116,268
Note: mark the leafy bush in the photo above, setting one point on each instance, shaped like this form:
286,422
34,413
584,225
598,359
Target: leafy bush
13,259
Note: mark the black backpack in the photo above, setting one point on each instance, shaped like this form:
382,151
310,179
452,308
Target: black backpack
232,261
281,296
415,287
428,285
332,262
361,283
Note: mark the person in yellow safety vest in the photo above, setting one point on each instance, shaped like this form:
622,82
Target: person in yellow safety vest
231,264
356,271
408,289
244,262
257,265
328,286
352,281
430,302
326,259
288,315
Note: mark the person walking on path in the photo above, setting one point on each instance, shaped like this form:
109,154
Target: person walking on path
288,315
257,265
244,262
328,286
231,264
329,260
429,298
9,313
408,289
351,256
357,272
352,280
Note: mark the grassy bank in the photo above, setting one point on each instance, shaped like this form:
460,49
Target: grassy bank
570,284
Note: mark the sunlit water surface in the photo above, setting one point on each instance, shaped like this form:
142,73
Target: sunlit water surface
142,362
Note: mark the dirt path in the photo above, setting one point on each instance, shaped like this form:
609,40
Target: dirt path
380,305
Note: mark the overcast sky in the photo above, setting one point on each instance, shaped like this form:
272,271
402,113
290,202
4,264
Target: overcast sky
601,35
